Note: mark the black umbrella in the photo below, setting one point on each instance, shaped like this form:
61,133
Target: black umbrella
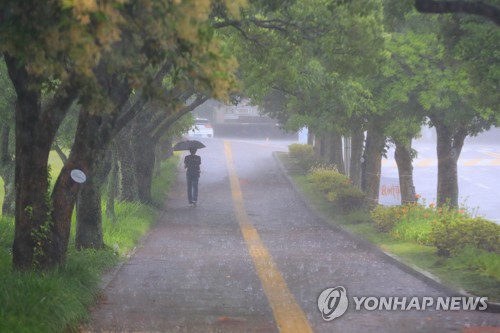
188,144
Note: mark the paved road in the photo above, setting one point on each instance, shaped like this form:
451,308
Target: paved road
252,258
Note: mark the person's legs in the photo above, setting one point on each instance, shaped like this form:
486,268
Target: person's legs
189,188
195,188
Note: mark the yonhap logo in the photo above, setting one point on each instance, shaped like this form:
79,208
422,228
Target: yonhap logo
333,302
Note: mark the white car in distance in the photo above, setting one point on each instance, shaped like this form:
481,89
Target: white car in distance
201,129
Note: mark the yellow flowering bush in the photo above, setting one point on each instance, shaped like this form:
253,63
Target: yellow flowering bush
451,235
327,178
337,187
385,217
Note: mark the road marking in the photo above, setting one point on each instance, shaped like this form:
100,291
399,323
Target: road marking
433,162
483,186
472,162
287,313
424,163
496,156
492,154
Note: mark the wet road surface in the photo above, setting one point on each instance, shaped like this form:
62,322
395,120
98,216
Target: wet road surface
252,258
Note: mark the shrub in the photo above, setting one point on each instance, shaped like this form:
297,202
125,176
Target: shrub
385,217
450,235
337,188
348,198
327,179
302,157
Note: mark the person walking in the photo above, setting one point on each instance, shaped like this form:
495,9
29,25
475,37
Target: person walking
192,164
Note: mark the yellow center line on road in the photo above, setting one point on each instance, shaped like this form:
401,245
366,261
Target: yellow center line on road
288,315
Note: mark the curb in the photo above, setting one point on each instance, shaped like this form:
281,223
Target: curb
413,270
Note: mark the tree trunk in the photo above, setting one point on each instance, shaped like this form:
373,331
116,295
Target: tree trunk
144,148
89,215
112,186
163,151
86,149
37,238
357,141
403,158
165,148
375,141
32,210
336,156
128,188
88,204
320,148
310,137
449,147
158,160
31,242
32,153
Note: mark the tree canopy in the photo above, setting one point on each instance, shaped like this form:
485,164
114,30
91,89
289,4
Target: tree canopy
115,75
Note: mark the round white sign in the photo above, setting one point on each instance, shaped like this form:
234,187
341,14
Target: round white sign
78,176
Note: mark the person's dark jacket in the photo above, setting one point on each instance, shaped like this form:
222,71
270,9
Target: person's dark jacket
192,164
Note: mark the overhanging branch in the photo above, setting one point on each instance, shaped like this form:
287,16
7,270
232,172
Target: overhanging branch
466,7
167,122
130,112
